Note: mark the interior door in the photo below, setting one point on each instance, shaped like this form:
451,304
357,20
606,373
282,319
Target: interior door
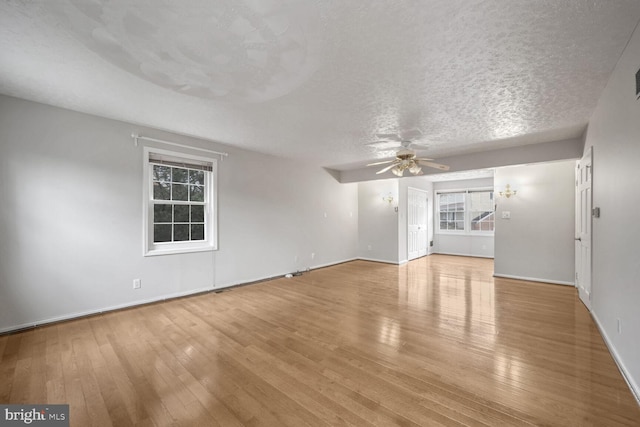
584,177
416,223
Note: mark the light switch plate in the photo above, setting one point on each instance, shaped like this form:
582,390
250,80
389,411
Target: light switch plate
506,215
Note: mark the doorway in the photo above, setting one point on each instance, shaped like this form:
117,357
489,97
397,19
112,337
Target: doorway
417,229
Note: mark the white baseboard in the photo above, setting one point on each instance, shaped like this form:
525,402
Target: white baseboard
458,254
136,303
635,389
76,315
329,264
534,279
385,261
277,276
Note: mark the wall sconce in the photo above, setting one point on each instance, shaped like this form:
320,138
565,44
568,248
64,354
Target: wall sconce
389,199
508,192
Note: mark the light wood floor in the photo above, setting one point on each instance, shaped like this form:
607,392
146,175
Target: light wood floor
436,342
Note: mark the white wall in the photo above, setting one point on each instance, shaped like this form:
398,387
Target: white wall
71,218
614,133
382,229
456,244
537,242
378,221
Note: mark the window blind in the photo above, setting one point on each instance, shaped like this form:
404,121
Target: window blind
167,160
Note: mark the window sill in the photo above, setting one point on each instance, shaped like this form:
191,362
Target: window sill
178,250
465,233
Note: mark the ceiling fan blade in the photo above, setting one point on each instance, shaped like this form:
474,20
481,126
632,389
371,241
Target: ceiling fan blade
381,163
422,158
388,136
434,165
383,170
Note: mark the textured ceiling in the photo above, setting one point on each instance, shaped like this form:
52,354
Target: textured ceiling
316,80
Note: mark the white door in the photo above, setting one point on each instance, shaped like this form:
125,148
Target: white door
416,223
583,227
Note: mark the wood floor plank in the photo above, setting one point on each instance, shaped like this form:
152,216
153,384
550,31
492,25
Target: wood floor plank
437,341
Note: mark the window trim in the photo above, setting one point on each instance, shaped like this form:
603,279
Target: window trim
211,208
467,212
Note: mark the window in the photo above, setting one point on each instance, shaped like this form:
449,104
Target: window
482,210
451,211
467,211
179,203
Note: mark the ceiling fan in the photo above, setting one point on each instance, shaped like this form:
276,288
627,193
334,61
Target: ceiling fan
405,157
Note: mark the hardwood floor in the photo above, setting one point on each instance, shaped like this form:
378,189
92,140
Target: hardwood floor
436,342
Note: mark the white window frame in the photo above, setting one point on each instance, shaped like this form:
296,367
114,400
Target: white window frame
467,213
150,248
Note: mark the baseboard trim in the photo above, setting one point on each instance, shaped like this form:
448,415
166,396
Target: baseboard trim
139,303
384,261
330,264
633,386
458,254
534,279
88,313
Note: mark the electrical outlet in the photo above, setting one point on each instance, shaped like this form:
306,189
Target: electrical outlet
369,247
506,215
136,284
295,258
619,326
313,255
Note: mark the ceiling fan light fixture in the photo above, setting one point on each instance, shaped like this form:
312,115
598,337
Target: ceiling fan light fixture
415,169
398,171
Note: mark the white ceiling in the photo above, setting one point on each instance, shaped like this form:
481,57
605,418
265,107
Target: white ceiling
316,80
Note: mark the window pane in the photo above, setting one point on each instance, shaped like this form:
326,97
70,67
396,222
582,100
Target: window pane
180,175
459,225
162,233
180,213
443,225
161,173
482,206
180,232
482,201
196,177
197,213
179,192
162,213
197,232
443,202
161,191
197,193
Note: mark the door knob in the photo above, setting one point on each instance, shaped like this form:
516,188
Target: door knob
578,239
